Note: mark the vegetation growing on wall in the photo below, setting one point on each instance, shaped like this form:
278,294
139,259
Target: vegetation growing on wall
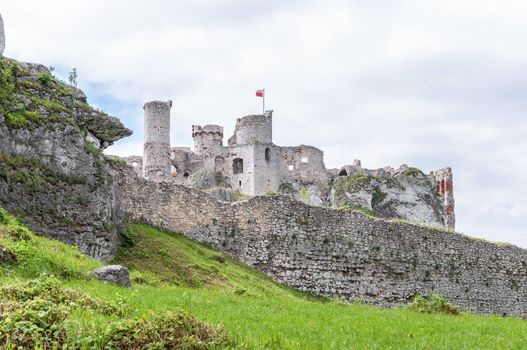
351,184
33,174
413,172
22,97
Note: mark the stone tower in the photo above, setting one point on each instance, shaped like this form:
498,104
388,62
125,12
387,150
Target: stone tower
156,153
208,140
254,129
2,36
255,168
445,188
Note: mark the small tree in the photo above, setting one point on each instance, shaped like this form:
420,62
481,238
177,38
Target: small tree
72,77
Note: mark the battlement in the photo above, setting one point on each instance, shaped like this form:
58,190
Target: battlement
209,129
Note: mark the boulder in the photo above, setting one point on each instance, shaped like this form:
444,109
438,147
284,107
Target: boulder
6,255
2,36
114,274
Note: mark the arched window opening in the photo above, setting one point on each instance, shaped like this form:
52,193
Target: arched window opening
291,167
134,163
343,172
186,174
237,166
268,154
218,164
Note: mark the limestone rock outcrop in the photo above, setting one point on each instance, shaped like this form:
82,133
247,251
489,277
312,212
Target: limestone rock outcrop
53,173
116,274
2,36
410,195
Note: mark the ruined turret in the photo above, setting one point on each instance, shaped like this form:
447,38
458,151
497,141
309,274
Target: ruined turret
156,161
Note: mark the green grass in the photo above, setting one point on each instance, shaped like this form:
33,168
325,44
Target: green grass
171,273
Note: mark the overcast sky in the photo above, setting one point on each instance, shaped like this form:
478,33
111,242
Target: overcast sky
427,83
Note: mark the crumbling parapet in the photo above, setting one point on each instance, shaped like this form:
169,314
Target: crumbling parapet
2,36
445,188
156,161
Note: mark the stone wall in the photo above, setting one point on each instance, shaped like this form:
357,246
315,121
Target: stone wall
338,253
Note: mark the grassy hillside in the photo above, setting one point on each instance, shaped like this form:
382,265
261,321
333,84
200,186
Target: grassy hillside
172,273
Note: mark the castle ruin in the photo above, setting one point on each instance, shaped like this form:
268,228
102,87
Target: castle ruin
252,165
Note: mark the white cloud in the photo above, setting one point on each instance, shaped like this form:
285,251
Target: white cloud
425,83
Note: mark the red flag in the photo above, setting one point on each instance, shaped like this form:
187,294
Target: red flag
260,93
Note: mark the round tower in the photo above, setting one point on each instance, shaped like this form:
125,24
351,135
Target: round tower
208,140
254,129
156,156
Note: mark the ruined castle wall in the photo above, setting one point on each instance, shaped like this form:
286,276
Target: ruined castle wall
303,167
267,165
156,155
339,253
136,162
243,178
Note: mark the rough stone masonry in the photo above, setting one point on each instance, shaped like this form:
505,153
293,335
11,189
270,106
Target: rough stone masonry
338,253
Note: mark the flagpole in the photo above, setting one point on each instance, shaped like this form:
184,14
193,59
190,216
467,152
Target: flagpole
263,102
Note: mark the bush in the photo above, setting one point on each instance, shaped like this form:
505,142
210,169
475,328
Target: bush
49,289
432,304
45,78
166,331
36,315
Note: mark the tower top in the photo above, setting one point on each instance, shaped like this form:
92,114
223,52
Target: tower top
157,103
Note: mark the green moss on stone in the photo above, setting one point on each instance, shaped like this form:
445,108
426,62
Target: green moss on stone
414,172
351,184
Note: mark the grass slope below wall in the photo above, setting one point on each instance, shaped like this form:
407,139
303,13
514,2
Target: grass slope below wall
171,273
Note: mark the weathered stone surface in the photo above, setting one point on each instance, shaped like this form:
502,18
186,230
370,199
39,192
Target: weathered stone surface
6,255
156,160
53,173
338,253
409,196
113,274
2,36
